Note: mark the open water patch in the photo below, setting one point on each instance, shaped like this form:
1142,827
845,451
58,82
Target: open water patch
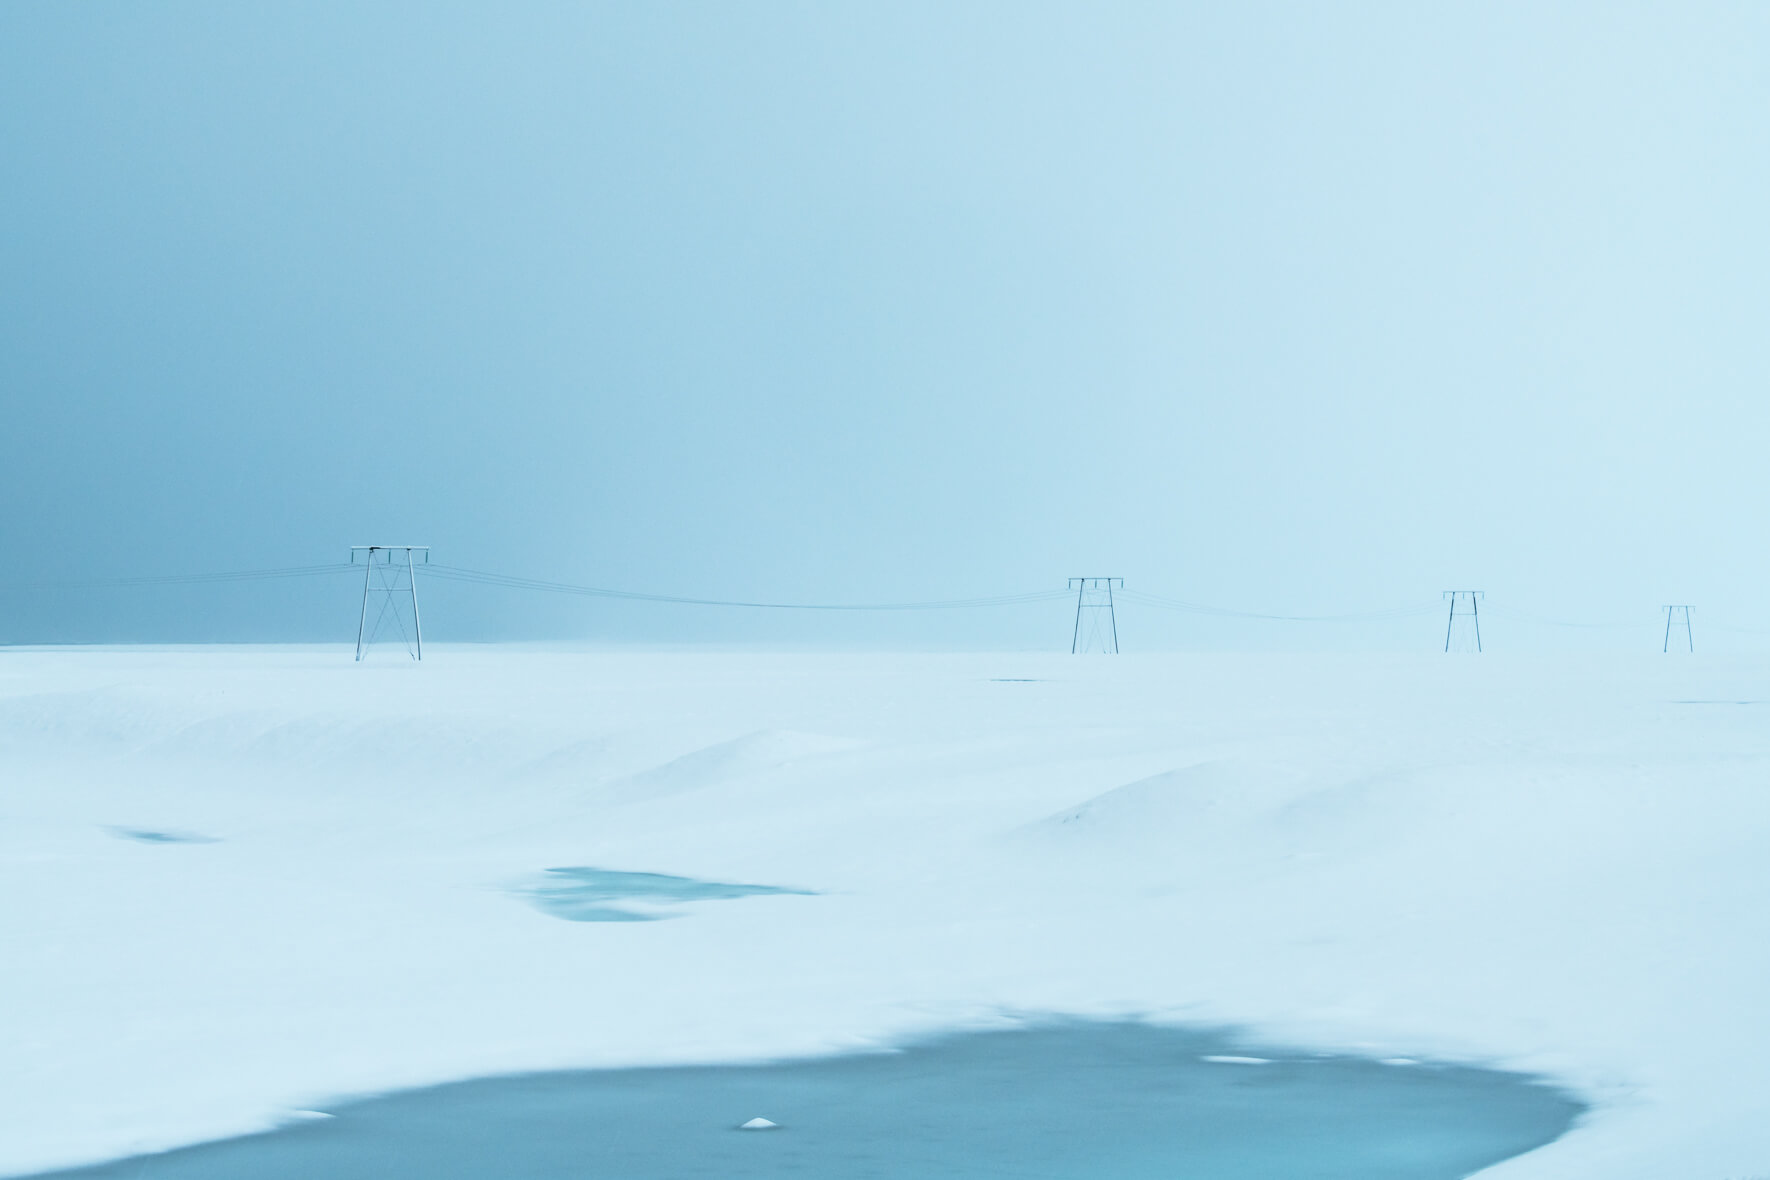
1063,1101
585,894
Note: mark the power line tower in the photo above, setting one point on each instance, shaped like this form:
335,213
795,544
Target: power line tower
1464,605
1093,596
1680,611
388,571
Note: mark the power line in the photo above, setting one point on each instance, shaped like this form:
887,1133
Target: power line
297,571
487,578
1514,613
541,585
509,581
1198,608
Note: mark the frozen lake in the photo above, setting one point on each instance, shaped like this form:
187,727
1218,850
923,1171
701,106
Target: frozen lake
1117,1100
240,884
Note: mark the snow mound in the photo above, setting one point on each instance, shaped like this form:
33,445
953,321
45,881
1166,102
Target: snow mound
758,1125
1208,793
575,761
98,721
752,754
326,742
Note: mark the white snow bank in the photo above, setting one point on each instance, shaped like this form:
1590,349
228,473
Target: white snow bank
1549,865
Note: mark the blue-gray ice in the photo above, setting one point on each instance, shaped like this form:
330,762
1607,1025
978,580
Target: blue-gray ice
1102,1101
585,894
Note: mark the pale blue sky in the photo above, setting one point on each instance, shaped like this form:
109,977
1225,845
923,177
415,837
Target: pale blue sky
1293,308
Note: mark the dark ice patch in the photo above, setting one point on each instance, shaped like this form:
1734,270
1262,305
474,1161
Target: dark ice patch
153,836
583,894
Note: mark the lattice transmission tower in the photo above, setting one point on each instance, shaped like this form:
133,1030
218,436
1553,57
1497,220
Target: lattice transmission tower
1681,612
1097,624
1466,606
391,577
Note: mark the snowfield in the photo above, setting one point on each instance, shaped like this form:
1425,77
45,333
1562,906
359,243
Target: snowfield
239,884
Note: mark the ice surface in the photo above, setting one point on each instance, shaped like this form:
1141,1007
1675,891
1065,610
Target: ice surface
1065,1102
1546,865
149,836
583,894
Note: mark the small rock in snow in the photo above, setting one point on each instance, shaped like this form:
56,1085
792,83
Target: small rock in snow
1239,1060
758,1125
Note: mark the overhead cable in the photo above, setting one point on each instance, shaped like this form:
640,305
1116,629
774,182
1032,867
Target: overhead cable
297,571
486,578
1514,613
513,582
1199,608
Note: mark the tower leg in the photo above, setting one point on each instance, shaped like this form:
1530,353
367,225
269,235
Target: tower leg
363,619
1075,640
417,627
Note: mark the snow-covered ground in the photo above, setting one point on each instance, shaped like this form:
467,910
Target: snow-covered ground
240,883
